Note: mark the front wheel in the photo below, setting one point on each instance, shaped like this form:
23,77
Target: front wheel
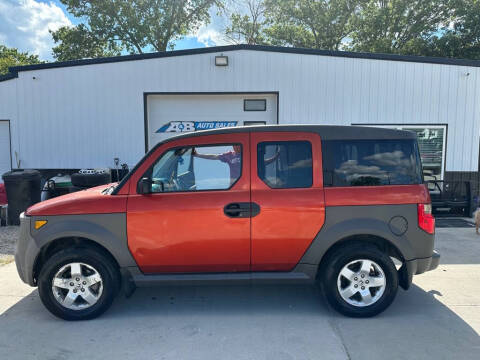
78,283
359,280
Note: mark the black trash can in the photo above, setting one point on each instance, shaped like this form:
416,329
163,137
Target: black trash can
23,190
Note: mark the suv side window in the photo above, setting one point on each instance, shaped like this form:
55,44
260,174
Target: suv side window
371,162
215,167
285,164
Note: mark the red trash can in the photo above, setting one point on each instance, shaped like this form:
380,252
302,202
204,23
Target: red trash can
3,194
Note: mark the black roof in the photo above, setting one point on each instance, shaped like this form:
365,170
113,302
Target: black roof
8,76
326,132
218,49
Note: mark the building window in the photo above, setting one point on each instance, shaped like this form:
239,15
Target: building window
254,104
431,142
253,123
285,164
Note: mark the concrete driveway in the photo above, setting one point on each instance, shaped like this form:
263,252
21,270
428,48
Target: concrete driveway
438,318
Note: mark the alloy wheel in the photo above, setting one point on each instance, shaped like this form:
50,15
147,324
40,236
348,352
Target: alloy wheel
361,282
77,286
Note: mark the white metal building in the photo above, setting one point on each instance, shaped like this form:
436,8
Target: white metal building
83,114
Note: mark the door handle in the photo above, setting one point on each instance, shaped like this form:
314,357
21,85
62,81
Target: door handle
241,210
254,209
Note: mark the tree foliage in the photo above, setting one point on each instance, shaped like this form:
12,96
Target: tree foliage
399,26
248,28
12,57
133,25
446,28
79,43
321,24
461,38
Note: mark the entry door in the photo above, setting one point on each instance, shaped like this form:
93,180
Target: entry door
287,186
5,155
197,218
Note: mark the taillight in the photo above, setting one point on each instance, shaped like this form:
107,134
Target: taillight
426,221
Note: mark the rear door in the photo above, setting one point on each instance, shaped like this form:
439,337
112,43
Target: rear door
287,186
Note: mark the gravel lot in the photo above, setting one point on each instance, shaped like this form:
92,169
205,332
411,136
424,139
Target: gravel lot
8,237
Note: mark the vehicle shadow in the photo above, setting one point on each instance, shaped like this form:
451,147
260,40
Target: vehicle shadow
240,322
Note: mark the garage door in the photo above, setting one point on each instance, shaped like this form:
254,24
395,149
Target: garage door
5,164
168,115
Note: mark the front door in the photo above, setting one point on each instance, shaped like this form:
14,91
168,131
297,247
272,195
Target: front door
288,188
197,216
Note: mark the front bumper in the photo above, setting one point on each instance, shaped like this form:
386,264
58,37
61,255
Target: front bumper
26,252
418,266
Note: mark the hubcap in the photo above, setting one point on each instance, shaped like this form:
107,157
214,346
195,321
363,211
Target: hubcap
361,282
77,286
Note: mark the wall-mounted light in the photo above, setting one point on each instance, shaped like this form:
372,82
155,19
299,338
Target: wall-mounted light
221,60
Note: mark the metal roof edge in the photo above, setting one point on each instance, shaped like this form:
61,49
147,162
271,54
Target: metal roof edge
276,49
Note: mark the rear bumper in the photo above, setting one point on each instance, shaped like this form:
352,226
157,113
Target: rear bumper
418,266
427,264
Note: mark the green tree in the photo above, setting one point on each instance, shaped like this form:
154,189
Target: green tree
320,24
461,38
132,25
12,57
79,43
399,26
248,28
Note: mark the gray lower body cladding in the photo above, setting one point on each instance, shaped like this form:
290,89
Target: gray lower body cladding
397,224
107,230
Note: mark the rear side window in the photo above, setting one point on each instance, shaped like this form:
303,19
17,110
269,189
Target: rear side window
371,162
285,164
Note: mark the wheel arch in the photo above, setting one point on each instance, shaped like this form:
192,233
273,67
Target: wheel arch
381,243
54,246
103,232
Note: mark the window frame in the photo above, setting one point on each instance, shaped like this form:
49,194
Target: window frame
150,168
256,100
286,141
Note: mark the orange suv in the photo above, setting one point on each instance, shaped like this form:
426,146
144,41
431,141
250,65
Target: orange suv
326,204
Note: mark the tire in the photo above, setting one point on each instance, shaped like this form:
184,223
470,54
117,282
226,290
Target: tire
91,262
342,270
89,180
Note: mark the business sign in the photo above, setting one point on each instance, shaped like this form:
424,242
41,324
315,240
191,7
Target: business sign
187,126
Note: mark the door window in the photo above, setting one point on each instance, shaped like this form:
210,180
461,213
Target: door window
195,168
285,164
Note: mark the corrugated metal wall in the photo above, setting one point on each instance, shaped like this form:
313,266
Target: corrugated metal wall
84,116
8,111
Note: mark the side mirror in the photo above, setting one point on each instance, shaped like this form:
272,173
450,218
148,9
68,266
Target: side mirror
144,186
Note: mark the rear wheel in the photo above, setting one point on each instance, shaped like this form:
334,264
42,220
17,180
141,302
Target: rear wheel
359,280
78,283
